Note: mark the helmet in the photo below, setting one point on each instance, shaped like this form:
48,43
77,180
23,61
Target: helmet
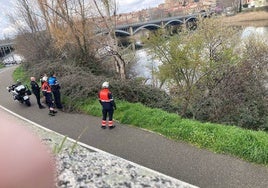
105,84
44,79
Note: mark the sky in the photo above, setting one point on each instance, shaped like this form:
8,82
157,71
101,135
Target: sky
124,6
5,27
135,5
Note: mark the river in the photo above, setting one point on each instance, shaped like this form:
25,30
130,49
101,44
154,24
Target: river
145,64
263,31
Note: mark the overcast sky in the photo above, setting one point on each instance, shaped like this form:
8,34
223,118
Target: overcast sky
135,5
124,6
5,28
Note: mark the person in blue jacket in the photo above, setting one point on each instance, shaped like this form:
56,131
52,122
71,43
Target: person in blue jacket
55,87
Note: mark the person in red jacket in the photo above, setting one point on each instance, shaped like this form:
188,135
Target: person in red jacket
46,90
108,105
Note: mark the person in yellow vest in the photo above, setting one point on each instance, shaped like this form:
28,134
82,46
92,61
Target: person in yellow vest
108,105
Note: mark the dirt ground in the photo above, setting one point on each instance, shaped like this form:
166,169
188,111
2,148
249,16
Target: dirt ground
259,18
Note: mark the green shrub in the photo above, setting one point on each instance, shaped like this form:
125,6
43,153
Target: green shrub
237,98
79,83
1,65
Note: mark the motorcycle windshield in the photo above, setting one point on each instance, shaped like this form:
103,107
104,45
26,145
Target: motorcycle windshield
20,87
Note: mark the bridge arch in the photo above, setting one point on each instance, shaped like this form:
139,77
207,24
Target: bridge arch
174,22
122,33
191,23
6,49
147,26
192,18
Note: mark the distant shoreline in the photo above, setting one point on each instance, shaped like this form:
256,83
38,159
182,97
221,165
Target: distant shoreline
257,19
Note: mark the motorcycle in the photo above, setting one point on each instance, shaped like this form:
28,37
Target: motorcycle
20,93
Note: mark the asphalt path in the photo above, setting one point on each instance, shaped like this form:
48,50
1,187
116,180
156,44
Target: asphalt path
182,161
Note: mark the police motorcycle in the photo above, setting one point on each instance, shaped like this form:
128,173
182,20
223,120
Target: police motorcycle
20,93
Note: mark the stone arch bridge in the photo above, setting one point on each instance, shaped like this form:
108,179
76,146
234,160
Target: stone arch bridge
6,48
131,33
132,29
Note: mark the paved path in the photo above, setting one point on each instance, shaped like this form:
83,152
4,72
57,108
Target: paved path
85,167
176,159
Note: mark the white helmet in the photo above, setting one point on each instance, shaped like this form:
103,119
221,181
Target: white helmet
105,85
44,79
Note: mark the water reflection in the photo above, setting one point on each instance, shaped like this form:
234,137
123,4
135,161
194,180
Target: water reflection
145,65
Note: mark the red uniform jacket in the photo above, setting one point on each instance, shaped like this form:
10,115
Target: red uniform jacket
106,99
46,88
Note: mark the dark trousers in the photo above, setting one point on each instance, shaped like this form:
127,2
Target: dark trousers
57,99
37,95
106,112
49,100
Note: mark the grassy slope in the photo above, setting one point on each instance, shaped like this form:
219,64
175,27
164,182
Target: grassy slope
245,144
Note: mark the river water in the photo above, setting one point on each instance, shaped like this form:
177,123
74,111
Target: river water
263,31
145,64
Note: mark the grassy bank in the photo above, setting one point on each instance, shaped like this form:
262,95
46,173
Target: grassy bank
246,144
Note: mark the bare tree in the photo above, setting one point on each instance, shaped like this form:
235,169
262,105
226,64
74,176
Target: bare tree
69,25
109,19
72,26
31,42
28,16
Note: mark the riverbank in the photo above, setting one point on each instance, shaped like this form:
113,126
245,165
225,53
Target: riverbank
257,19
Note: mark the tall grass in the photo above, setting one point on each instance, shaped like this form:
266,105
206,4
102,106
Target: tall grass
249,145
19,74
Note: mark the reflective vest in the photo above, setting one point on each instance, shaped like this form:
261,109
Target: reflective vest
46,88
105,95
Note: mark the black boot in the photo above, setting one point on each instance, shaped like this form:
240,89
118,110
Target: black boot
51,113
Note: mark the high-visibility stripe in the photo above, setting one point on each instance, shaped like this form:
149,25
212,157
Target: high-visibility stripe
103,123
105,100
110,123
